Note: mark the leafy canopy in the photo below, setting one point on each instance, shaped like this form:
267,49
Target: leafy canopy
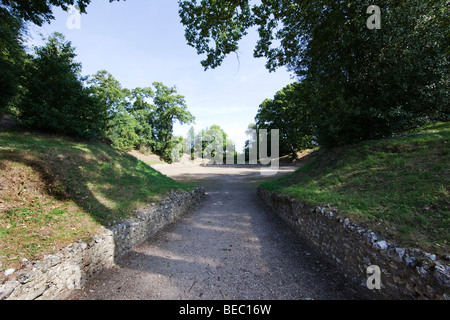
12,57
40,11
15,15
361,83
290,112
141,118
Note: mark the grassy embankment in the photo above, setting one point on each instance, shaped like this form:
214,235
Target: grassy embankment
54,191
397,187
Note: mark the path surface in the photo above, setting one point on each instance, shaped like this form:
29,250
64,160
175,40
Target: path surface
230,247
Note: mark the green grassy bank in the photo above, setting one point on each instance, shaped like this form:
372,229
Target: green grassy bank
398,187
54,191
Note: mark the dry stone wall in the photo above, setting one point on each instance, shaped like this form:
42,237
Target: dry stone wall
58,275
405,273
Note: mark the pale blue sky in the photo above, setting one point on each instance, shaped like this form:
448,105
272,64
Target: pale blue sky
140,42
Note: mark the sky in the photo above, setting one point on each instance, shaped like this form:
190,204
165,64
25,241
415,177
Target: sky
140,42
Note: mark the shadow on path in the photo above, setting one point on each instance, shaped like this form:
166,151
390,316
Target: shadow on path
231,247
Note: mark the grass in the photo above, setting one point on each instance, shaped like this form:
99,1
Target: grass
54,191
398,187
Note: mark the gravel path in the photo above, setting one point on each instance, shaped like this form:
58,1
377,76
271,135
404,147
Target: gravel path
230,247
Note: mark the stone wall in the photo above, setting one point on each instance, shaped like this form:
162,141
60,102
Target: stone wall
406,273
58,275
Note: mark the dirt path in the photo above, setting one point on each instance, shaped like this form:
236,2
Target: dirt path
230,247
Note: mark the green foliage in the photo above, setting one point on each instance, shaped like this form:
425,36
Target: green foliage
40,11
122,131
108,90
122,125
362,83
144,114
141,118
14,17
169,107
373,83
224,22
55,98
213,142
12,56
289,111
210,143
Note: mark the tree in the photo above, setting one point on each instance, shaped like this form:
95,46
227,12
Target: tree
291,112
144,113
363,83
108,90
122,130
375,83
14,15
169,108
251,146
12,57
122,126
40,11
213,142
141,118
131,114
224,22
55,98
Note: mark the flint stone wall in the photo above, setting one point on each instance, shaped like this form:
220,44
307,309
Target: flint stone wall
58,275
406,273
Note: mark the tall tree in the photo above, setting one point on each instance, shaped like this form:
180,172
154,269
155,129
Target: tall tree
108,90
290,112
169,108
213,142
364,83
130,124
55,98
14,17
141,117
12,57
144,112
